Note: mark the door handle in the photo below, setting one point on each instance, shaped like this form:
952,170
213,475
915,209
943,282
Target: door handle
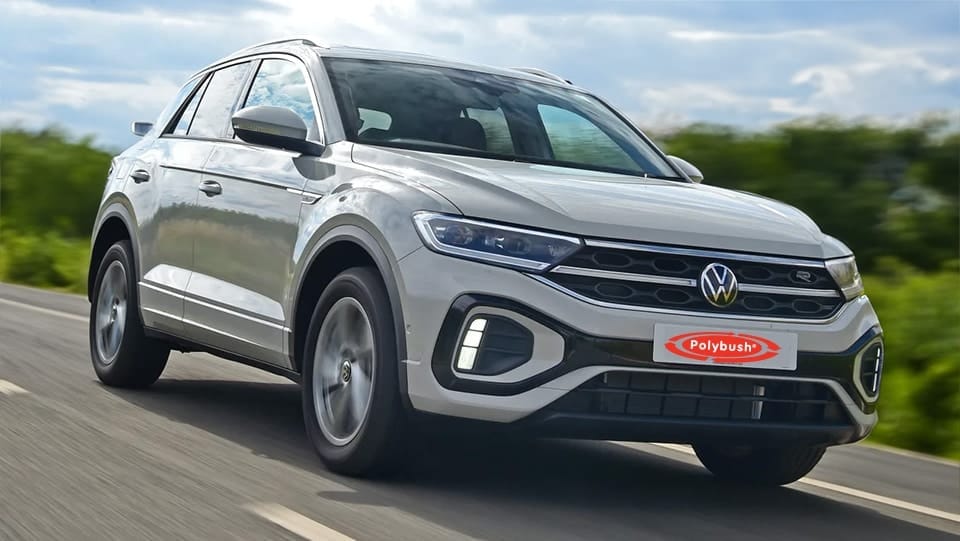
211,188
139,176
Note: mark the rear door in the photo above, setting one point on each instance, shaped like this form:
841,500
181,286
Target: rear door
247,226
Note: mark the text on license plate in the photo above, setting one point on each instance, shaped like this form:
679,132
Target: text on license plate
725,347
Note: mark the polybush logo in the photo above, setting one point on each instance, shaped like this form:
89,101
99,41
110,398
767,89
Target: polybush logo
723,347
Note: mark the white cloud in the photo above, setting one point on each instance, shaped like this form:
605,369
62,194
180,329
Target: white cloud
692,96
23,114
789,106
39,10
146,96
705,36
66,70
664,70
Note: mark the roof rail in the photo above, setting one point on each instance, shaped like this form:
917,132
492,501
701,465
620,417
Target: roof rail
303,40
544,73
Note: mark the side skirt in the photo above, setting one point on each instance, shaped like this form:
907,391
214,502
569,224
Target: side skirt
187,346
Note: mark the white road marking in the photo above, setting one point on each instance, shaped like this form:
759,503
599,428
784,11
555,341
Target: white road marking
42,310
892,502
863,495
296,523
311,529
910,454
9,388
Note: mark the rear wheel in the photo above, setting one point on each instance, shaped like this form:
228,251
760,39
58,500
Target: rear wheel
759,465
351,399
122,354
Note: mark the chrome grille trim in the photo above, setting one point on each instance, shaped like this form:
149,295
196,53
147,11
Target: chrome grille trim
696,252
627,276
780,290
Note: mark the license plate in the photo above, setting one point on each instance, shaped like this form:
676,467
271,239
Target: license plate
724,347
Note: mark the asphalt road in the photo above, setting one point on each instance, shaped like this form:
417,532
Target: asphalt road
216,450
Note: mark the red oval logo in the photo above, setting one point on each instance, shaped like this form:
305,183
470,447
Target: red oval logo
722,347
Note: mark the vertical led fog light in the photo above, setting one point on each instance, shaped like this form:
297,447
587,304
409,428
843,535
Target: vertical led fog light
470,343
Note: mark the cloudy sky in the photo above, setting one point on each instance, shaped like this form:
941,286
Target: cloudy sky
95,65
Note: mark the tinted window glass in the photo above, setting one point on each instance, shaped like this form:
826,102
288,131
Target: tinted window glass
218,100
172,107
495,128
281,83
456,111
573,138
183,124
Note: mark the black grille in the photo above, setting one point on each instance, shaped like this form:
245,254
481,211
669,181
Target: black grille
636,293
715,398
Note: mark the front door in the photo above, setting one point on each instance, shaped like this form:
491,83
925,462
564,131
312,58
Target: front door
249,207
162,187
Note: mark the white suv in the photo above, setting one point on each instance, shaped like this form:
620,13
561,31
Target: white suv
404,234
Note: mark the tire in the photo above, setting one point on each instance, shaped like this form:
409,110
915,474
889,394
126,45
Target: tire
759,465
122,355
351,395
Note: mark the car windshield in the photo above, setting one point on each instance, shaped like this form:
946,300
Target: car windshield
455,111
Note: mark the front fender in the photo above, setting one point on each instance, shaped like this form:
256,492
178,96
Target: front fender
115,207
382,257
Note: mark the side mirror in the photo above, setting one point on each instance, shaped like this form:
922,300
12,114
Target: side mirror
141,128
688,169
276,127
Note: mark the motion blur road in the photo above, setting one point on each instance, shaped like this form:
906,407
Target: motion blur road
216,450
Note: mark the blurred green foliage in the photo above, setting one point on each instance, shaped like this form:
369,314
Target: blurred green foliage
920,393
884,192
49,184
891,194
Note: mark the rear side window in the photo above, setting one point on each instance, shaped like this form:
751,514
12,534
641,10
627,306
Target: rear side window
186,117
216,105
280,83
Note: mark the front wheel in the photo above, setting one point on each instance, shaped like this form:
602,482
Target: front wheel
351,400
759,465
122,354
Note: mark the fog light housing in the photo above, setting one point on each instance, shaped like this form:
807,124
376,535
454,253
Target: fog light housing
868,370
492,345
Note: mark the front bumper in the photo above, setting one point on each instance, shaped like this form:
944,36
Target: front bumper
579,343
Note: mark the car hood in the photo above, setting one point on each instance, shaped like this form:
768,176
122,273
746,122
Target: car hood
607,205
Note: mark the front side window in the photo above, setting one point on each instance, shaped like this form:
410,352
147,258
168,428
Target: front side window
495,129
455,111
574,138
178,100
280,83
186,117
219,98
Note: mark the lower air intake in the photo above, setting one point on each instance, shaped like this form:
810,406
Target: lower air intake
715,398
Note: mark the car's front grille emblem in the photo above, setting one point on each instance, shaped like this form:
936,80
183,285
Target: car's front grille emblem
719,285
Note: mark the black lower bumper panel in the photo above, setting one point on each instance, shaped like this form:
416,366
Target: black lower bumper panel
691,408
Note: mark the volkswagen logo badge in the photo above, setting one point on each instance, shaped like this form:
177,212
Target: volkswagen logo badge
719,285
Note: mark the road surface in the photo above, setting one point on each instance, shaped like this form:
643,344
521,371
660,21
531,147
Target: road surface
216,450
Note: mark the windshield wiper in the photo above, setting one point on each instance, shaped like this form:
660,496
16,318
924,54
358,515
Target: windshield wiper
663,177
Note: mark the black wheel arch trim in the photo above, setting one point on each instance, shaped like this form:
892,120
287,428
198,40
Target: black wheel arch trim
118,209
386,267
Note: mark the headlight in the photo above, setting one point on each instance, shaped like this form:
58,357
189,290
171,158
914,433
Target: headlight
847,276
492,243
